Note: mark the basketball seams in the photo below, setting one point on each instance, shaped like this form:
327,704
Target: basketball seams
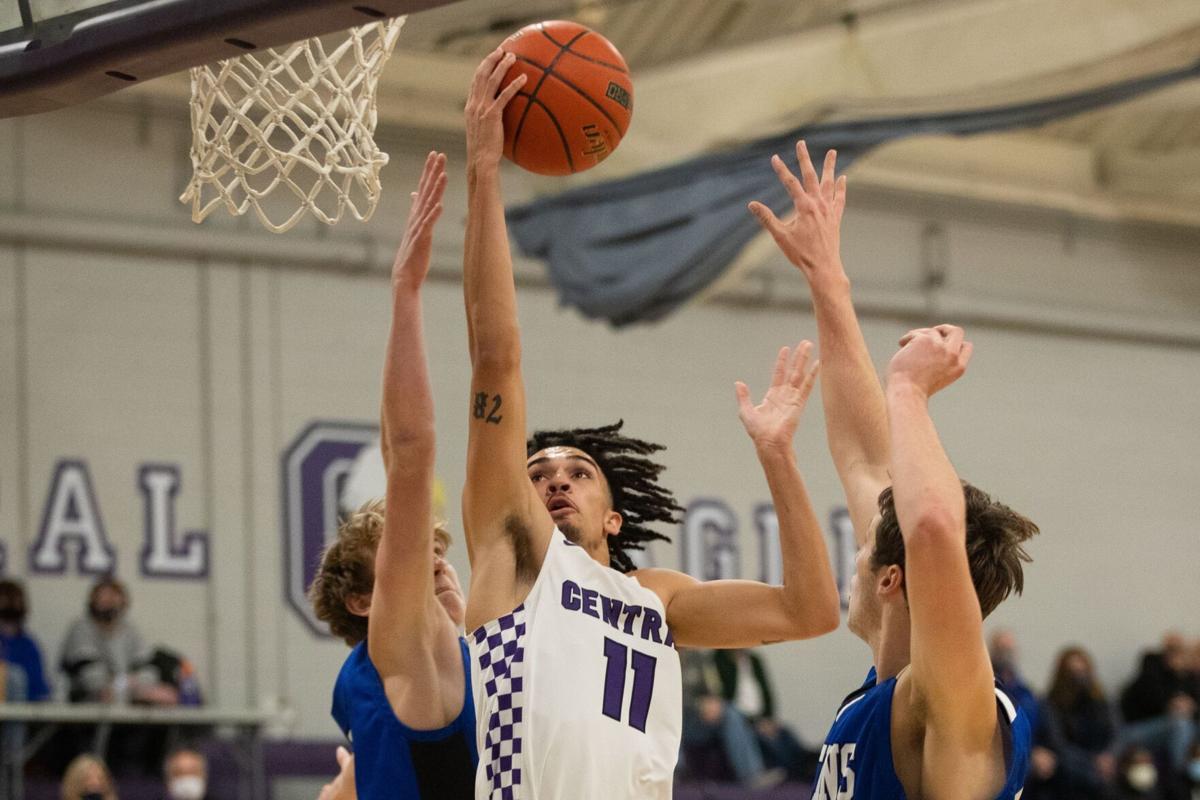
546,33
546,72
562,135
577,54
585,96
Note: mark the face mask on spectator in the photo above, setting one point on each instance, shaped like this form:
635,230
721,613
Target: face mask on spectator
186,787
1194,770
105,614
1142,777
91,796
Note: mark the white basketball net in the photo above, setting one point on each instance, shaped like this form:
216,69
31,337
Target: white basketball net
299,117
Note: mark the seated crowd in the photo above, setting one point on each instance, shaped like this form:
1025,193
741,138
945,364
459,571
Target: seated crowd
1145,746
1144,743
102,659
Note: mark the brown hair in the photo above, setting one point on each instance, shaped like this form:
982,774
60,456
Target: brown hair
12,595
348,568
74,781
109,582
995,534
1065,691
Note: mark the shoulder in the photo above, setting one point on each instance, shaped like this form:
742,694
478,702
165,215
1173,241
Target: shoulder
657,577
663,582
357,672
80,629
25,644
128,634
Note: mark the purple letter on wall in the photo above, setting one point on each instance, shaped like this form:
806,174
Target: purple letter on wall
315,468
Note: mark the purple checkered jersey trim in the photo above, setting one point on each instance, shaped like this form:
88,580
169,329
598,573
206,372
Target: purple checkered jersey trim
500,649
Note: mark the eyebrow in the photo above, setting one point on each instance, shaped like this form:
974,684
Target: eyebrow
544,459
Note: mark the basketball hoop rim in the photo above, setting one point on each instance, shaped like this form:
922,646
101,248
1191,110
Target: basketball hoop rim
97,51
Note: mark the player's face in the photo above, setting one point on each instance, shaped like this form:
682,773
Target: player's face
445,585
865,614
575,493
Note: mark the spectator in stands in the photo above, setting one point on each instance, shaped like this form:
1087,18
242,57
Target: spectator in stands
25,679
1003,650
1160,704
1078,726
186,774
104,657
718,742
106,661
87,778
1192,779
1042,779
746,685
1137,777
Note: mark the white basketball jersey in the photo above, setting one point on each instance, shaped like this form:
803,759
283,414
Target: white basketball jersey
577,690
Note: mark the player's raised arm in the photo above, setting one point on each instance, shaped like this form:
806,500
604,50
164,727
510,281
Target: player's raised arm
951,673
409,635
736,613
501,512
855,412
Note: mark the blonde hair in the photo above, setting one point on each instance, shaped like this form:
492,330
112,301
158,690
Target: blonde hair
348,569
75,779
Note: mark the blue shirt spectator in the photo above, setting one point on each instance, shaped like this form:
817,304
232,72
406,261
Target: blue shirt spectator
1003,650
26,678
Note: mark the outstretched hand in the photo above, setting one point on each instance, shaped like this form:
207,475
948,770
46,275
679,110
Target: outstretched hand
342,787
485,107
811,237
930,359
412,259
772,423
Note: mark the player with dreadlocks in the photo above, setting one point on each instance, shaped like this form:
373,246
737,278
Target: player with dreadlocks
575,674
632,482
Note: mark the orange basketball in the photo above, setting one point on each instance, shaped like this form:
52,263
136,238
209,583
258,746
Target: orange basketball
576,103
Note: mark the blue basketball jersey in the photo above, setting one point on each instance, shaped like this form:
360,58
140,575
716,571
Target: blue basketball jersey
856,759
391,760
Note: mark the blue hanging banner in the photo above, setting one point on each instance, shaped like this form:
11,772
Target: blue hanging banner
636,249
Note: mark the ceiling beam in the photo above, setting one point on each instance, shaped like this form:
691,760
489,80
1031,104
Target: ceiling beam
883,65
994,50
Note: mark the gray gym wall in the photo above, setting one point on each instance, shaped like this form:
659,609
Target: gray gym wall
128,335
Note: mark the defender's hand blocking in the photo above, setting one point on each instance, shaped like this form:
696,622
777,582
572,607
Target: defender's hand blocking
930,359
811,238
485,108
412,259
772,423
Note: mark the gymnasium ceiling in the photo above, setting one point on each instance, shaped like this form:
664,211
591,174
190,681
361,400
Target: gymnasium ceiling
709,73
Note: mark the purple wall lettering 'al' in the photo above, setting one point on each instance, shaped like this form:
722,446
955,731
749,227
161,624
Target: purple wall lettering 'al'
164,555
71,519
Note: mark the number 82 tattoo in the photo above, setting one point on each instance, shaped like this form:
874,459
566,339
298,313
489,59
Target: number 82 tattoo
481,411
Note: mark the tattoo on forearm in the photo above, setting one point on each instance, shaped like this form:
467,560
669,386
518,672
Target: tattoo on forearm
481,410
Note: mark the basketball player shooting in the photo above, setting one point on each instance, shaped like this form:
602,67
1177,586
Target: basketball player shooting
936,555
403,694
576,677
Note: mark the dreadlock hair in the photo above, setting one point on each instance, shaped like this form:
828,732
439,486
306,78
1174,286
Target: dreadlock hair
632,482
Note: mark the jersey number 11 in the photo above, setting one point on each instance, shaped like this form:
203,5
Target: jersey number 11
617,657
